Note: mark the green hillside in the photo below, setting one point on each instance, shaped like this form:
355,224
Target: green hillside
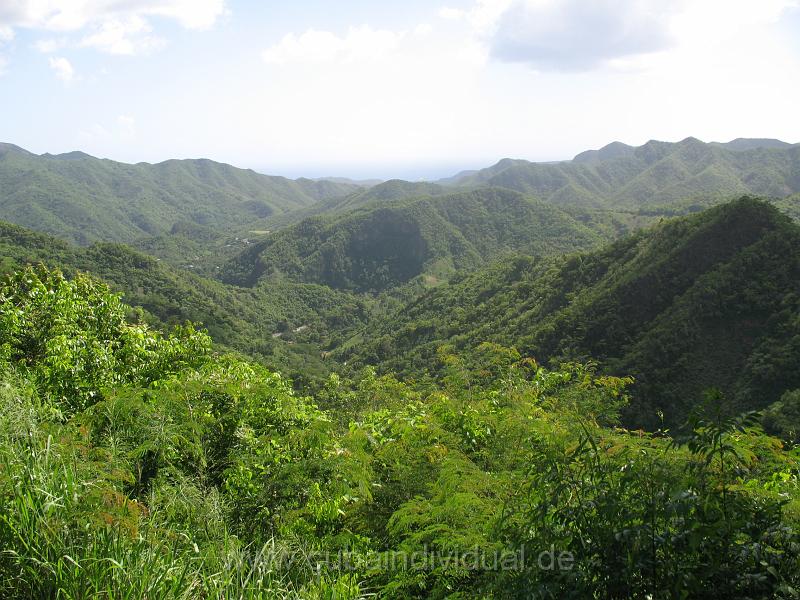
257,322
379,193
83,199
656,174
420,392
790,206
704,301
77,197
137,464
386,245
740,144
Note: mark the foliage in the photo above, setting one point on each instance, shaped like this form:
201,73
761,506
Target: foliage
382,246
704,301
123,454
70,339
662,177
246,320
138,460
81,198
782,418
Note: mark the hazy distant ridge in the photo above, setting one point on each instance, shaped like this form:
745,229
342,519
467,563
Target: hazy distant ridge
79,197
655,174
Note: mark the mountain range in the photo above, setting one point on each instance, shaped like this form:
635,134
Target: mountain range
657,175
576,260
82,198
705,301
258,322
387,244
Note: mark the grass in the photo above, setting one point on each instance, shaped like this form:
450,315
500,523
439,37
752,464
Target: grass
67,532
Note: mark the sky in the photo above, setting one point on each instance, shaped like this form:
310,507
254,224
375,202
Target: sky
412,89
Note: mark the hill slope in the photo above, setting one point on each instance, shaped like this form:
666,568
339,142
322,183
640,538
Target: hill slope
383,246
704,301
81,198
380,193
654,175
259,322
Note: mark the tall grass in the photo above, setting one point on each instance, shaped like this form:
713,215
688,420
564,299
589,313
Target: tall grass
68,532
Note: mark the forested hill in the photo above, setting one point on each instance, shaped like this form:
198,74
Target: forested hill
657,175
141,465
385,245
78,197
260,322
83,199
710,300
376,193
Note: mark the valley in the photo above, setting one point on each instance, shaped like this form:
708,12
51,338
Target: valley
598,355
326,266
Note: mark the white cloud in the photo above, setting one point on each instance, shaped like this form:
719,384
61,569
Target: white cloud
361,44
426,99
482,16
118,26
72,15
374,112
126,126
626,35
486,13
63,68
451,14
510,112
49,46
574,35
191,14
128,36
722,19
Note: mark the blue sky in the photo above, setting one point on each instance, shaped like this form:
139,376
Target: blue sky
391,89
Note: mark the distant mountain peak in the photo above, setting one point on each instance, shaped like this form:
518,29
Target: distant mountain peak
744,144
657,173
616,145
654,142
504,163
607,152
101,199
74,155
6,148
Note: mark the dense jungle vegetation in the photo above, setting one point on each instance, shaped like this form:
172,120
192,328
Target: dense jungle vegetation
144,465
537,380
709,300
